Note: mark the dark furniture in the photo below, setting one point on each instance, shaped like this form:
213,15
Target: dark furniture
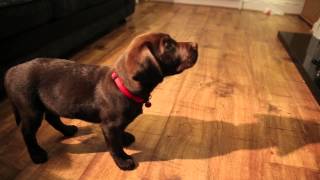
304,49
53,28
311,11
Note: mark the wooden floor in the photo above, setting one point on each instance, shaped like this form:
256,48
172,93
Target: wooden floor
243,112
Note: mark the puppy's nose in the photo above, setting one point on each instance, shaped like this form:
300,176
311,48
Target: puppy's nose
194,45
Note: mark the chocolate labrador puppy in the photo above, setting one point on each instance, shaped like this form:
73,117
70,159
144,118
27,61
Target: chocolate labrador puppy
111,96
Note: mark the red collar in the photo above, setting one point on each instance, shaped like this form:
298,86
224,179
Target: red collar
118,81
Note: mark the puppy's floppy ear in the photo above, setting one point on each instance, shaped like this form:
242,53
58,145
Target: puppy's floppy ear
148,69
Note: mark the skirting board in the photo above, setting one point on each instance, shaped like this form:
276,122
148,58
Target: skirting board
259,5
220,3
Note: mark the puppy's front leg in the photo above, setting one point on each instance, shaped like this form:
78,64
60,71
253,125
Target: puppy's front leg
113,136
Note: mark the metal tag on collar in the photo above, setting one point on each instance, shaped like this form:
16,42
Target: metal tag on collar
148,103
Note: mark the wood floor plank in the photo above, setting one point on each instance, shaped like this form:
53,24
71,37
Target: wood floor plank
242,112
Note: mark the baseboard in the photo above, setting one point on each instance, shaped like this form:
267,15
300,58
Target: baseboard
219,3
277,7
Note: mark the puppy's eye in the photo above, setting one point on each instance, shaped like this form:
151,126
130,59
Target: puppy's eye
169,45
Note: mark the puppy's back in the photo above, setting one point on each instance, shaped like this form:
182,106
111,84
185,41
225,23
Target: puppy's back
24,76
53,82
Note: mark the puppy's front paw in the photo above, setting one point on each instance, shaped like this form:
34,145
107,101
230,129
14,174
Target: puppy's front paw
69,131
39,156
127,139
125,163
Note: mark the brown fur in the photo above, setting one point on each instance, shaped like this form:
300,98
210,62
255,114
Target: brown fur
56,87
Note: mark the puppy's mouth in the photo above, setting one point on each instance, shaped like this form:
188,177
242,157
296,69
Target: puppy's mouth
194,57
191,61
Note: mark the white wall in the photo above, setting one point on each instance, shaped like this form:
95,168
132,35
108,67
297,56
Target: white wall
285,6
276,6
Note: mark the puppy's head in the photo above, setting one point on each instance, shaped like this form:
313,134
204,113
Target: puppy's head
152,56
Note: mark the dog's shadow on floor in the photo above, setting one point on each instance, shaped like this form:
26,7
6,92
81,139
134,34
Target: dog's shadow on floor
186,138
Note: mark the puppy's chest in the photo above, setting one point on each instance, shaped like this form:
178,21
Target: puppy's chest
131,113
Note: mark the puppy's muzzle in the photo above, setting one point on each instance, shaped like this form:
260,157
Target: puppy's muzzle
193,49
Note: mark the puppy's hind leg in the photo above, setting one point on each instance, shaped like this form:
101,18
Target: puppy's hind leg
30,123
56,122
16,114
